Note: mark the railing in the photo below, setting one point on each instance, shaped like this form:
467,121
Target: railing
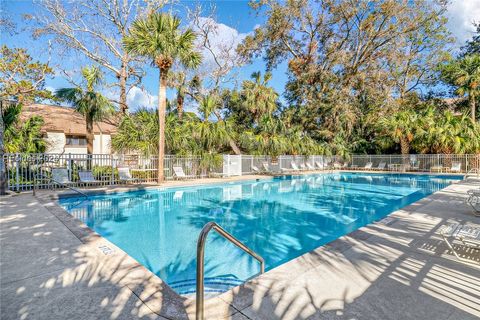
202,238
57,182
21,168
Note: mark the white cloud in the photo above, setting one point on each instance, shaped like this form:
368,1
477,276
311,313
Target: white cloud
223,41
141,98
461,15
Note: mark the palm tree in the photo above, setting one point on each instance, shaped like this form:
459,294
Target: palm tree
400,128
159,38
464,74
259,99
91,104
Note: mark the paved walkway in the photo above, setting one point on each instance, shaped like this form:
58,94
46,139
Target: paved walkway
52,268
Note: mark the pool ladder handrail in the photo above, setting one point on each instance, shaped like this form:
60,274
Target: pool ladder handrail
202,238
57,182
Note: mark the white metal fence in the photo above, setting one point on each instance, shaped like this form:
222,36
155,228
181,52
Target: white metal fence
21,169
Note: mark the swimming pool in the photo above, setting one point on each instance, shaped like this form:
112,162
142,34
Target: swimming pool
280,219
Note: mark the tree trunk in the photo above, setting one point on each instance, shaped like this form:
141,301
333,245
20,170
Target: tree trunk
180,106
123,87
404,146
162,105
3,176
232,143
90,138
471,101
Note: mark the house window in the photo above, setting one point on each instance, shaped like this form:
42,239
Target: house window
76,141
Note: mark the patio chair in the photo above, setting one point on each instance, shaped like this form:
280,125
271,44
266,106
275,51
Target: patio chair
60,176
337,165
368,166
469,235
309,166
456,167
302,166
381,166
294,166
474,201
255,169
124,175
436,168
180,174
87,177
320,165
266,167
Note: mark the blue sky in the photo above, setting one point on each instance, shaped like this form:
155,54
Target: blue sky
235,18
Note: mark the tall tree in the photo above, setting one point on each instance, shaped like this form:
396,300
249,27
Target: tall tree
159,38
22,80
258,97
94,29
400,128
91,104
344,57
464,74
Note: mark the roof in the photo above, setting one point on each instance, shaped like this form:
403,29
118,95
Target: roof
66,120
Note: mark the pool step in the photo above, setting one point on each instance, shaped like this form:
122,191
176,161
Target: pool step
213,286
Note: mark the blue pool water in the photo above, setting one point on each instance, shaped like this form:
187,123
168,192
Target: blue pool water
280,219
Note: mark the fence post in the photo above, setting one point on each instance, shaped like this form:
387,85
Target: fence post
17,172
69,166
112,174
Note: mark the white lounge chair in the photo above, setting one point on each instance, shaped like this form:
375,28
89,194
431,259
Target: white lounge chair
255,169
337,165
124,175
456,167
469,235
294,166
302,166
381,166
266,167
87,177
368,166
309,166
180,174
60,176
474,201
320,165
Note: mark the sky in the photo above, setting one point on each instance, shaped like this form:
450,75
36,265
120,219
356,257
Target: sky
235,20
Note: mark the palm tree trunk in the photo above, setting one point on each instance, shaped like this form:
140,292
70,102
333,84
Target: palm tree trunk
231,142
123,88
472,106
162,105
3,175
179,106
90,137
405,149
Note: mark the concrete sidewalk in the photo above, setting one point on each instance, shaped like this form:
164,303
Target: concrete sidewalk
396,269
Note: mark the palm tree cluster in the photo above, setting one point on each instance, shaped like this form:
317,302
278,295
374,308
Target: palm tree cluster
429,131
88,102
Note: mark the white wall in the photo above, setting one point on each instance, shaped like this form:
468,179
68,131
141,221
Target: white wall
102,144
55,142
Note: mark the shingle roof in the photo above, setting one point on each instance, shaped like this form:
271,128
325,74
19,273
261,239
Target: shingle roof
65,119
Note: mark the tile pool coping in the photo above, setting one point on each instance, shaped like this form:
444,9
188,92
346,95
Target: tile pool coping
226,304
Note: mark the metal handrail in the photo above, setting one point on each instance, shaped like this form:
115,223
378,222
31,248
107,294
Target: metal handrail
200,261
472,172
58,182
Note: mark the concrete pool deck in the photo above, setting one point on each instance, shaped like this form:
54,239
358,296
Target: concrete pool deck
53,267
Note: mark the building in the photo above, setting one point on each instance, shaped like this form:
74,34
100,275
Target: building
65,129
